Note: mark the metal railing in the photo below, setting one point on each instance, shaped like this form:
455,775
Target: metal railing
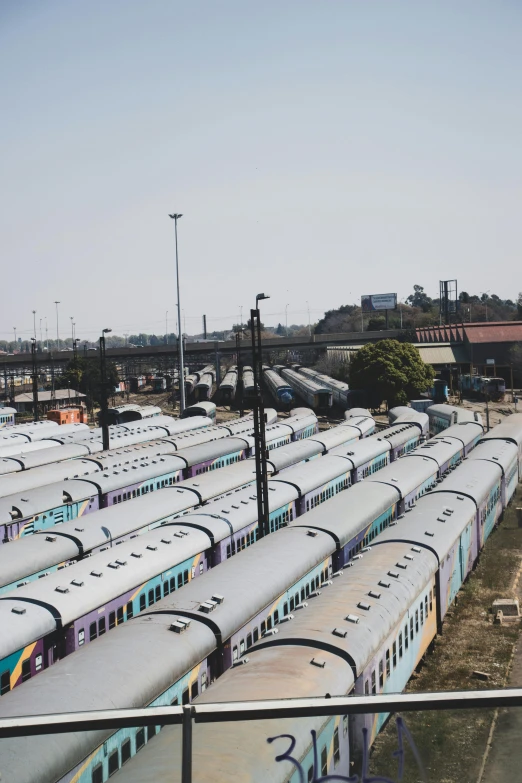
61,723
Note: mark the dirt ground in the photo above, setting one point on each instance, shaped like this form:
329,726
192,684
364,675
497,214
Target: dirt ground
452,744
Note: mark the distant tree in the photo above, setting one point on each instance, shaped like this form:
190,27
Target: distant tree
420,298
85,375
390,370
376,323
519,306
280,330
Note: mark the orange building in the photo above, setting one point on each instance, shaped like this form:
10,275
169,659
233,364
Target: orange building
67,415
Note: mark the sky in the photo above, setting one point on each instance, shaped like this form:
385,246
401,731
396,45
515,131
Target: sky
317,149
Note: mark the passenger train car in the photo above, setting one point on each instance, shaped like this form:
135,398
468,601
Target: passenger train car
281,391
7,417
386,605
483,387
248,383
443,416
339,389
227,387
204,387
315,394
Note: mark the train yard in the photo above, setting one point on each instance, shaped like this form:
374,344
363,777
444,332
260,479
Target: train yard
120,568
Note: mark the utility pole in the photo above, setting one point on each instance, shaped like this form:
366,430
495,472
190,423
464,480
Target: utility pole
263,511
487,412
35,379
104,406
204,327
34,324
175,217
309,325
57,331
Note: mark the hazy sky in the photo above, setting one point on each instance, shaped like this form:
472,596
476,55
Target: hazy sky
318,150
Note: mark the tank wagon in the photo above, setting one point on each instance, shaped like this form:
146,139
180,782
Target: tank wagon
390,599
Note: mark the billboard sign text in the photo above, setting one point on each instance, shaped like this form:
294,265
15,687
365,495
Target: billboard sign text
372,302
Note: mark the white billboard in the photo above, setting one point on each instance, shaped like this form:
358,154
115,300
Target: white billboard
372,302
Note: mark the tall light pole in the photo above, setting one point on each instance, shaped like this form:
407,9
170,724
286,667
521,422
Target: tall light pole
166,328
286,319
41,338
72,330
57,332
34,325
175,217
104,406
14,327
46,335
240,322
263,509
309,325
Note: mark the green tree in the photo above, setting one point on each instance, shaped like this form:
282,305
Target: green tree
85,375
390,370
420,298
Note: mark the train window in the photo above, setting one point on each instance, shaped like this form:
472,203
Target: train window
374,687
234,653
38,661
151,597
140,739
119,615
93,632
158,592
292,604
97,774
411,628
203,682
130,610
185,577
26,670
114,762
194,690
268,623
381,675
193,572
256,634
125,751
143,602
394,660
336,749
400,645
249,641
241,647
431,601
151,732
5,682
185,696
263,627
317,583
366,687
324,761
119,498
101,626
166,587
133,493
310,774
112,620
285,608
303,594
201,567
81,637
426,606
416,621
387,663
172,584
276,617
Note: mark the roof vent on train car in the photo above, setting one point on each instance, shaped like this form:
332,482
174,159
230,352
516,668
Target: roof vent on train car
96,573
77,582
207,606
21,584
166,541
337,573
50,538
79,529
382,583
271,632
448,512
287,618
374,594
326,583
302,605
114,565
311,533
357,557
218,598
340,632
366,549
427,533
394,574
402,565
409,557
121,562
315,594
318,662
180,625
152,547
18,610
352,618
240,662
61,589
364,605
136,554
416,549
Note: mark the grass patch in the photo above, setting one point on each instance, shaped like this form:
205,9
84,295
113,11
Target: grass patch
451,743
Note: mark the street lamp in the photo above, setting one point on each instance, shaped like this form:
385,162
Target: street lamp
166,328
309,325
14,328
35,379
286,319
263,510
57,332
104,406
34,325
175,217
72,329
